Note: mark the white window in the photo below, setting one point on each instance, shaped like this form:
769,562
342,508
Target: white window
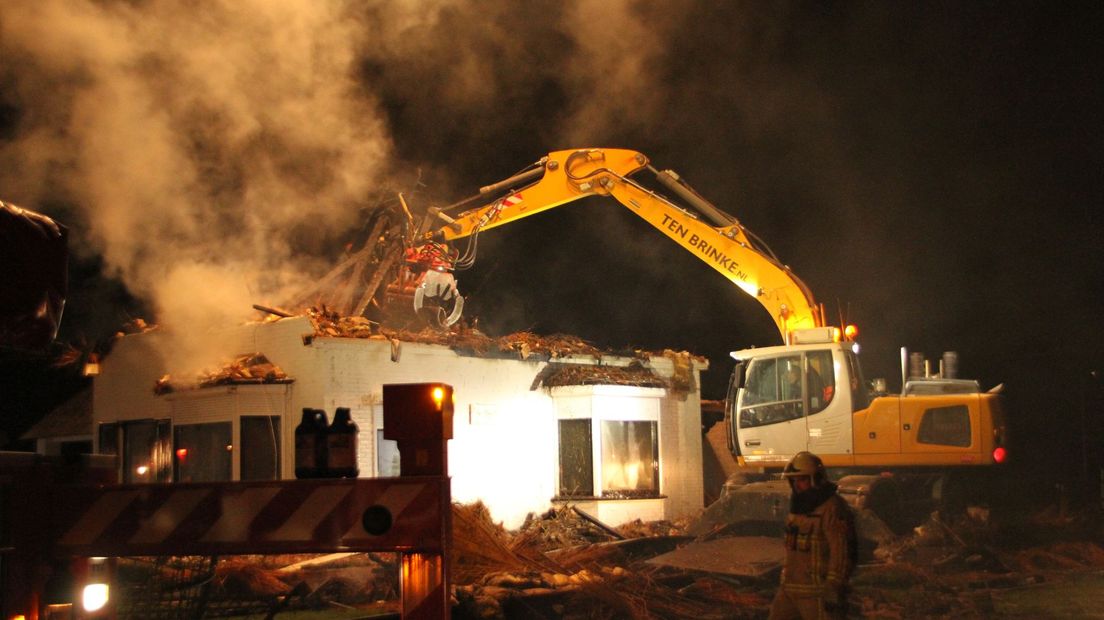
260,447
203,452
608,441
143,446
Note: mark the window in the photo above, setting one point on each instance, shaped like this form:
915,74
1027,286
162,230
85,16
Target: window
772,392
608,441
777,390
109,438
948,426
203,452
388,463
576,459
820,380
629,452
145,455
260,447
860,396
630,459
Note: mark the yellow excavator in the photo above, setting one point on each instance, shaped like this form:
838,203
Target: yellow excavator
808,393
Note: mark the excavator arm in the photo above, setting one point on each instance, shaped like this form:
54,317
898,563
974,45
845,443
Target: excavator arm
712,235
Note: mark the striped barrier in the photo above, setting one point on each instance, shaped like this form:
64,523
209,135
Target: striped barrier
232,518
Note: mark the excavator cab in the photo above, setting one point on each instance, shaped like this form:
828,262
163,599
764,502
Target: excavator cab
790,399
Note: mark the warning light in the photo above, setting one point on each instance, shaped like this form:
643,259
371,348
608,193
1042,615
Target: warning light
181,453
835,334
142,470
438,396
95,596
850,332
999,454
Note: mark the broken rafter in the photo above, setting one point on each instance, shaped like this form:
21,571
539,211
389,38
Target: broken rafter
377,278
342,299
305,298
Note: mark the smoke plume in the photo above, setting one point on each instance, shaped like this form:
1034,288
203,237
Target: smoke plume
193,138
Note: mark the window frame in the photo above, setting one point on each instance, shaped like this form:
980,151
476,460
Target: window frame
179,429
782,408
930,419
245,448
608,403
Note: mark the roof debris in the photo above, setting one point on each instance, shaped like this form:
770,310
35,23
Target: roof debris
559,564
461,338
560,374
250,368
526,346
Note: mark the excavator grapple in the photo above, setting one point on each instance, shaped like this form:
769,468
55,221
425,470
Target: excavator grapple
437,299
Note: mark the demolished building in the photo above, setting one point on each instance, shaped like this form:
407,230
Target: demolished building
538,422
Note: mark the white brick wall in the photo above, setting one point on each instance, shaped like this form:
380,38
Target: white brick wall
503,450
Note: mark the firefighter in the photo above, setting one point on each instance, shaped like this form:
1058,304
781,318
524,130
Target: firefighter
820,545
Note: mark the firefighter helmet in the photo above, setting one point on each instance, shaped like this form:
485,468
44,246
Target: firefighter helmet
806,464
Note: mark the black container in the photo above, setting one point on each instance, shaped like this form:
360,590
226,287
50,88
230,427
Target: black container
310,444
341,446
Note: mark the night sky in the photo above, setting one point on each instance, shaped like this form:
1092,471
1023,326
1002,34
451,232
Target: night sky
933,171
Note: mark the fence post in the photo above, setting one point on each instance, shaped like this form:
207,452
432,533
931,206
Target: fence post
418,416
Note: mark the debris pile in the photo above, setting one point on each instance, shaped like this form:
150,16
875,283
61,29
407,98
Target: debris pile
562,527
566,565
250,368
563,563
460,338
559,374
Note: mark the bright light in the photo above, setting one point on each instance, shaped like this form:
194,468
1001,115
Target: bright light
438,396
748,287
850,332
855,348
94,597
999,454
835,334
142,470
181,453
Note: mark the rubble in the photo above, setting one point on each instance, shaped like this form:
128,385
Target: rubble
559,374
471,340
251,368
559,564
462,338
564,565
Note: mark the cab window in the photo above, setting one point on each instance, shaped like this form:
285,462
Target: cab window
820,380
860,397
772,392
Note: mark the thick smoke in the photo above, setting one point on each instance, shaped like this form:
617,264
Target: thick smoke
220,152
211,148
194,138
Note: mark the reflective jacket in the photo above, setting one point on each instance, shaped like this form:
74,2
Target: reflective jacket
820,550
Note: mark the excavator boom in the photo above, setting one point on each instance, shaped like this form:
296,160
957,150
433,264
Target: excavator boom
721,242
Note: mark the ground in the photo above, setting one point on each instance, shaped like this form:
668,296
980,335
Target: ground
991,562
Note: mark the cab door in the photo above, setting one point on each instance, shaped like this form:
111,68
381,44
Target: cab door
770,412
829,404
